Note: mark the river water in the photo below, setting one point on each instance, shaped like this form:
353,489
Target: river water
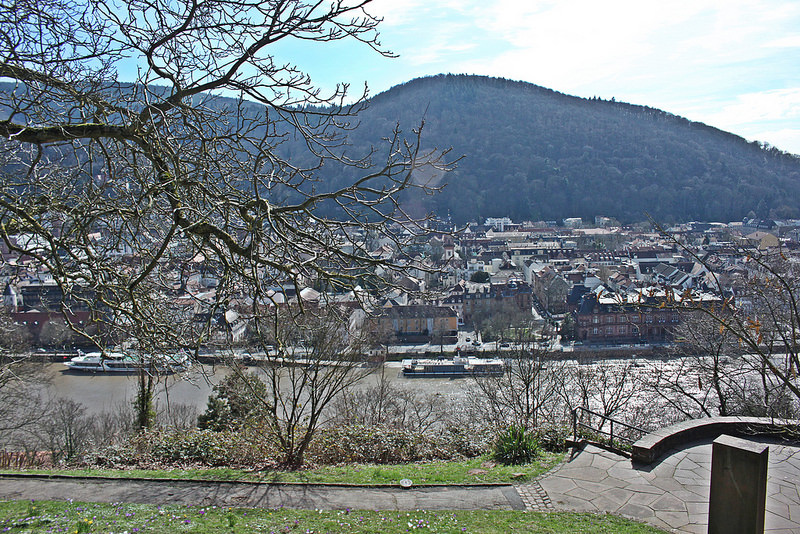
105,392
101,393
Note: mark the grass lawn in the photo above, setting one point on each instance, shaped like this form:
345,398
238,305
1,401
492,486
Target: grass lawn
473,471
18,517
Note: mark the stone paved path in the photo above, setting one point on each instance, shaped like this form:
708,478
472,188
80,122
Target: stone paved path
671,493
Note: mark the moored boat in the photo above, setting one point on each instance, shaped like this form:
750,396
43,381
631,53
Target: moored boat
123,362
452,368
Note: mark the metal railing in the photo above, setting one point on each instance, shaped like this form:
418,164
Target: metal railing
620,441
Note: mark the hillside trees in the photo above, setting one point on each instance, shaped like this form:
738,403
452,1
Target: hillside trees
113,186
532,154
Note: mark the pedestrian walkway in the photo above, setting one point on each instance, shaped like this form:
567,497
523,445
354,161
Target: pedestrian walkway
671,493
262,495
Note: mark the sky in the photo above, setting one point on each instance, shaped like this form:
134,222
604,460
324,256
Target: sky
731,64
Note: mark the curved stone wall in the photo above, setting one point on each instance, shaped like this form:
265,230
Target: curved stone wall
655,444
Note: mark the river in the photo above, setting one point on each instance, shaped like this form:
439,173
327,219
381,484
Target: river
101,392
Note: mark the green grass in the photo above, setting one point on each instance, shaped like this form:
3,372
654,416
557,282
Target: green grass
423,473
17,517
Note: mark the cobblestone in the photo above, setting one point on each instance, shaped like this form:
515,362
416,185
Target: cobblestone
535,497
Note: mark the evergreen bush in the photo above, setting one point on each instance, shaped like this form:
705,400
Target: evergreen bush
516,446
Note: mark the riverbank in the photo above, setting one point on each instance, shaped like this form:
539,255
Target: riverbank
400,352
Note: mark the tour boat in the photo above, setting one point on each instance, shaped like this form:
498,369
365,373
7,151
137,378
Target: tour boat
452,368
123,362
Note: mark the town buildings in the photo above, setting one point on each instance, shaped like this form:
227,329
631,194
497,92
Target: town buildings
606,279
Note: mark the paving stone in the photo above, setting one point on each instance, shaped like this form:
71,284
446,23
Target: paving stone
685,481
695,528
773,521
604,501
703,490
614,482
626,473
689,496
619,495
782,498
687,463
596,487
578,505
702,473
582,493
647,475
674,519
534,497
592,474
557,484
794,513
778,508
673,460
787,491
696,520
604,462
644,499
672,494
697,508
637,511
667,484
646,488
669,503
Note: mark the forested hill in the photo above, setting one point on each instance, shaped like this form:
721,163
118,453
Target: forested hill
532,153
535,154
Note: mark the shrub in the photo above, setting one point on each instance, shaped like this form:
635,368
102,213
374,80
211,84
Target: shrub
553,438
248,447
516,446
243,448
384,445
235,399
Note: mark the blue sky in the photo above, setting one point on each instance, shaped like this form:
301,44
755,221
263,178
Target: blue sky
729,63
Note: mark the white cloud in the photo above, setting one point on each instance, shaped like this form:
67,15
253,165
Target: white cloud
786,139
725,63
764,106
583,42
789,41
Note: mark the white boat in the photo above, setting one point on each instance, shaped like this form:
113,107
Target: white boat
123,362
452,368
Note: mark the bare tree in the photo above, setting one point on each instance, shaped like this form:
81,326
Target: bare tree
55,333
606,388
708,375
387,405
66,431
762,314
22,383
308,358
114,186
525,391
